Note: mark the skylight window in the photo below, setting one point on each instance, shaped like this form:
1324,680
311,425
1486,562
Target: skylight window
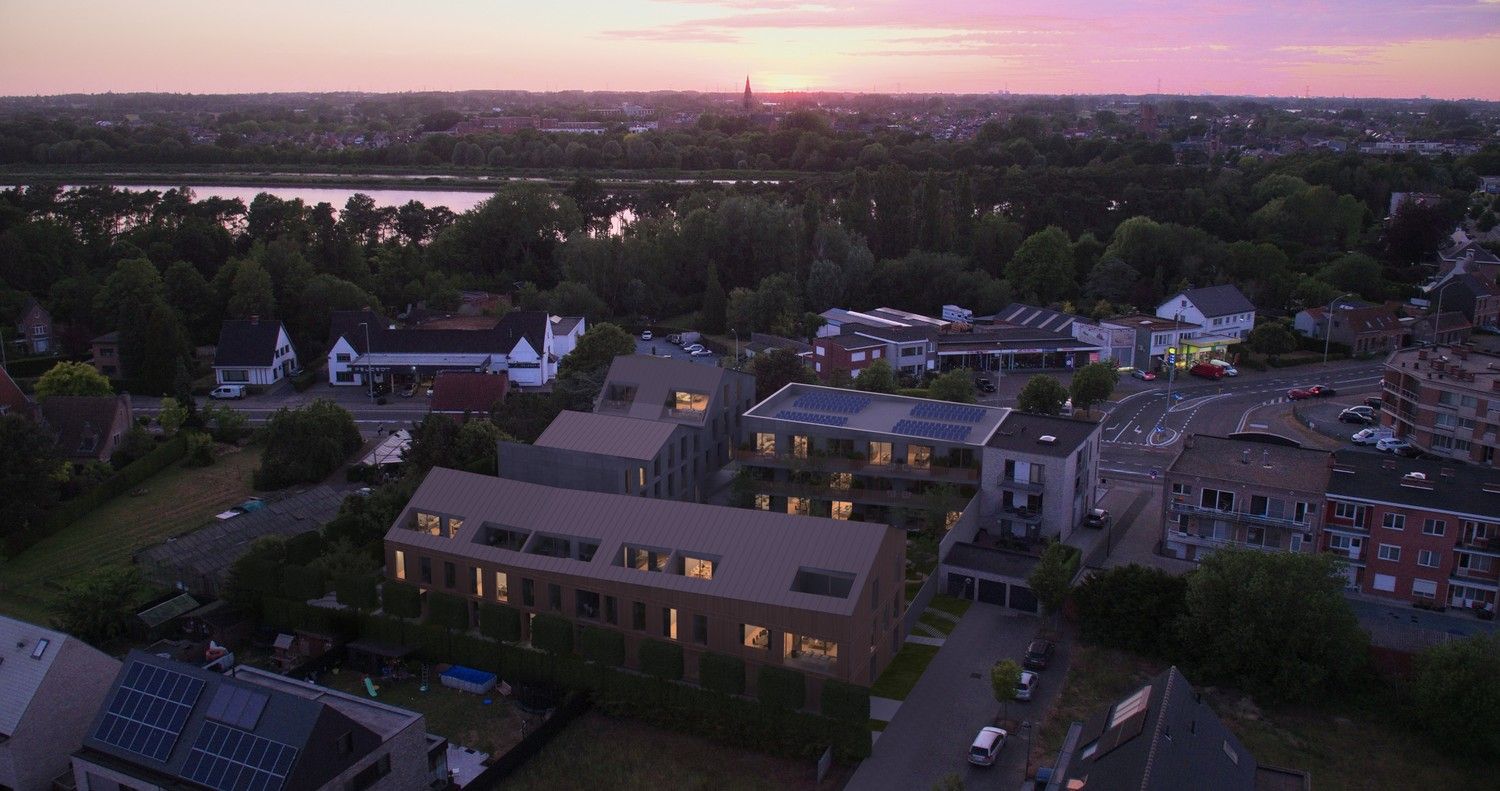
41,648
1131,706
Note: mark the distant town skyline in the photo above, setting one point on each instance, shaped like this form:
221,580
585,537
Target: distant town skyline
1357,48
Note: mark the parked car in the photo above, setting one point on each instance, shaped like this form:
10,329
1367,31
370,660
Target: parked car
646,336
675,337
1039,654
1357,414
1097,518
984,384
1395,445
701,352
1207,371
1316,391
227,391
1229,370
987,746
692,347
1371,435
1143,375
1027,684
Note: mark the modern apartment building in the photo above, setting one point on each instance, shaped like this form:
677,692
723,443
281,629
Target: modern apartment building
706,399
1415,529
1236,493
813,595
823,451
614,454
1445,400
169,725
1040,475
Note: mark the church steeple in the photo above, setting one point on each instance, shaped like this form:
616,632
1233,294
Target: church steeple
749,99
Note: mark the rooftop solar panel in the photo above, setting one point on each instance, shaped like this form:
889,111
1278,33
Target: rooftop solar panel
237,706
148,711
230,759
810,417
923,428
958,413
843,403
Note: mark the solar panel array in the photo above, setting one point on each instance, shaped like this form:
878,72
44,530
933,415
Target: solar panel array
842,403
229,759
810,417
924,428
149,710
237,706
957,413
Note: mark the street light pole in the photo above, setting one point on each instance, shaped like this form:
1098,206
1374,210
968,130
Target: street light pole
1328,334
369,381
736,347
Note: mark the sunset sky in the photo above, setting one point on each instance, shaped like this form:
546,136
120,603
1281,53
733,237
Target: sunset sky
1399,48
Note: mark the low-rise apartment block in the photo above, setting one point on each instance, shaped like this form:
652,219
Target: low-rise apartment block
706,399
813,595
1237,493
1415,529
1445,400
614,454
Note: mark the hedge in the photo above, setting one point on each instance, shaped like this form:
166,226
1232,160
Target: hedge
304,548
605,646
499,622
782,688
300,583
305,380
401,599
447,610
552,633
358,590
659,659
720,673
129,477
845,702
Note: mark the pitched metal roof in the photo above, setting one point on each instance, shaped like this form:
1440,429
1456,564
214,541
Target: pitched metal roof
1023,315
467,391
21,674
655,378
246,342
501,338
1215,301
758,553
607,435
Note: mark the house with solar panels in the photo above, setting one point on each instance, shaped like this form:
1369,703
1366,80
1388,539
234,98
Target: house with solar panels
168,725
873,457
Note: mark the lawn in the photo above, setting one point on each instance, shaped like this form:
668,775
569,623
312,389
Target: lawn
598,752
951,605
938,622
175,501
1356,749
903,671
461,717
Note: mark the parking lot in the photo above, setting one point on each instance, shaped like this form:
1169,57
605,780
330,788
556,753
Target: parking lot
661,347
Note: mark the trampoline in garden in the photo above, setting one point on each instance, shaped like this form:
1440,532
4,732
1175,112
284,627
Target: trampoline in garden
468,679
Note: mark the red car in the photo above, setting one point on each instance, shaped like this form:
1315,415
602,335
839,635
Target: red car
1316,391
1207,371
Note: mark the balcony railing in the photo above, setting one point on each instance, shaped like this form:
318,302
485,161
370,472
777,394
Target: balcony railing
1285,522
852,494
1479,546
1211,541
1487,583
1471,575
1021,486
898,469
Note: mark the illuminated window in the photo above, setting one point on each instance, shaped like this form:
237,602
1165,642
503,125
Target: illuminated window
669,622
478,582
919,456
701,568
880,453
683,403
842,510
797,505
502,586
400,565
841,480
765,443
799,446
763,502
430,524
453,526
755,636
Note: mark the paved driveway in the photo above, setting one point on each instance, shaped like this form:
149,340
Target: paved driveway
932,731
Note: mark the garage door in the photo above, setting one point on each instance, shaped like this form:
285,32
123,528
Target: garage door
992,592
1022,599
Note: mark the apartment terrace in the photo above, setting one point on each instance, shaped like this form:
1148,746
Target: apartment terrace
831,411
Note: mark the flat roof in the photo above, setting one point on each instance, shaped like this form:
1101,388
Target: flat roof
1136,320
881,413
1447,486
1441,366
607,435
757,554
1255,463
1022,432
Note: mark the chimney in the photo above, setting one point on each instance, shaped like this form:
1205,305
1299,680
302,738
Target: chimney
1265,458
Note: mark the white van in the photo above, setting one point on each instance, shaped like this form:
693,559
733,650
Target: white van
1229,370
228,391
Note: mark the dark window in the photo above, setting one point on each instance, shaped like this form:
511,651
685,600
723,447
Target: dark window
700,629
450,575
586,604
611,616
554,596
528,593
638,616
425,570
369,775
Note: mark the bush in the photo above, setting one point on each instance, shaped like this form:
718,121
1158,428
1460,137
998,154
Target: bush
401,599
1133,608
305,380
722,674
1456,695
304,548
663,660
605,646
447,611
358,591
305,445
781,688
200,449
499,622
300,583
552,633
362,473
845,702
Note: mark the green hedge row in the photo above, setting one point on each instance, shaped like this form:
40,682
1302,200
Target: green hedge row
782,688
499,622
605,646
724,674
845,702
552,633
447,610
659,659
358,591
401,599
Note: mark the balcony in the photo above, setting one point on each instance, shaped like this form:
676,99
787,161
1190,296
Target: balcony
1489,547
1473,575
934,472
1466,578
853,495
1021,486
1220,543
1284,522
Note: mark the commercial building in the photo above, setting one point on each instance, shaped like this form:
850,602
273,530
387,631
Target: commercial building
1415,529
850,352
1154,340
50,685
1445,400
1223,314
1237,493
814,595
524,344
170,725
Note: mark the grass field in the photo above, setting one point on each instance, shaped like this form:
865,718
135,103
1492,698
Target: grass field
951,605
461,717
1352,750
938,622
903,671
599,752
176,500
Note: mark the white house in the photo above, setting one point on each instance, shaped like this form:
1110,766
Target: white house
254,352
523,344
1223,314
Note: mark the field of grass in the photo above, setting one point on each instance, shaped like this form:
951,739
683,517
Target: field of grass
951,605
1357,750
903,671
599,752
175,501
462,717
938,622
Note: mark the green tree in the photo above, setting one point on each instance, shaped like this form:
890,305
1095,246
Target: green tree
1134,608
955,385
151,348
715,303
1456,693
72,379
1111,279
98,607
775,369
171,415
1272,337
305,445
127,292
1042,269
598,347
251,292
1005,675
1052,577
28,463
877,377
193,299
1093,384
1043,395
1275,624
